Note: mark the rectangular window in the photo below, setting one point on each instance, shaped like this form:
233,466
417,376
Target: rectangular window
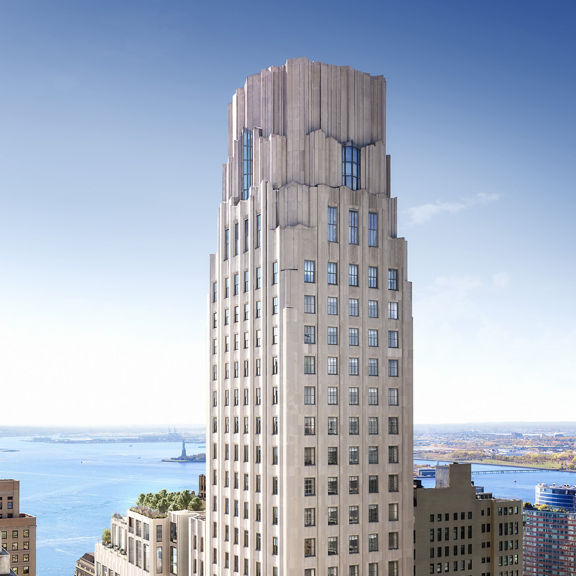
309,334
372,396
258,278
332,515
332,456
332,545
372,308
309,365
353,307
309,486
373,425
353,337
332,273
309,516
393,483
332,306
246,280
372,229
258,309
247,165
372,338
392,279
353,366
393,455
393,425
275,305
332,485
353,515
236,238
353,396
393,310
275,272
393,368
246,235
372,366
353,226
214,291
258,230
372,542
372,454
236,284
309,456
353,425
373,513
332,365
309,547
392,338
309,271
393,540
351,167
309,395
309,304
332,426
309,426
353,275
275,335
353,485
332,335
332,396
332,224
353,544
226,243
372,277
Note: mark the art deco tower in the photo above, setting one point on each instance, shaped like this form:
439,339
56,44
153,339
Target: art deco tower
310,438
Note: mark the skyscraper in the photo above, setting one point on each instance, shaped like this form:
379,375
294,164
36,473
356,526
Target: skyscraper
309,456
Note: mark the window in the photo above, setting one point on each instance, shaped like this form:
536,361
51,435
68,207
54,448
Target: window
353,425
373,425
226,243
258,230
236,315
258,278
332,456
353,337
372,366
332,273
393,425
309,304
393,512
393,368
332,335
353,369
372,484
309,365
353,485
393,483
353,307
353,544
309,426
372,338
309,486
372,229
332,306
309,334
275,335
393,455
353,275
309,547
353,396
275,272
236,238
332,426
353,226
275,365
275,305
373,513
226,317
226,287
332,396
214,291
309,395
246,280
332,485
393,397
393,310
353,570
372,277
332,545
309,516
351,167
309,456
332,224
332,365
392,338
246,235
393,541
258,341
247,167
372,396
392,279
332,515
372,454
258,313
309,271
372,308
372,542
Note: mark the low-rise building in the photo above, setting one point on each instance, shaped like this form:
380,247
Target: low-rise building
147,541
17,530
459,529
85,565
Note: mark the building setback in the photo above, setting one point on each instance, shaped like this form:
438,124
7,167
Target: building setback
18,530
460,530
309,446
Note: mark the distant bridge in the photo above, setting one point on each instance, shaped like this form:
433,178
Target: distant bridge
515,471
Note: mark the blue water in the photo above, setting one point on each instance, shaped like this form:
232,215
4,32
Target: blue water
510,485
73,489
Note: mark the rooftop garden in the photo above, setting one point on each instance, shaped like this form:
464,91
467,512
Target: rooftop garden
157,505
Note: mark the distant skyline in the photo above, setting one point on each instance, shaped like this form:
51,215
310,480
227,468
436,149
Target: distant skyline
114,120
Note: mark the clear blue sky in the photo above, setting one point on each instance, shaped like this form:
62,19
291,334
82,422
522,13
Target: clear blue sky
113,118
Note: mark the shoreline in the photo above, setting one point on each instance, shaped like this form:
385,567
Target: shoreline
501,463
